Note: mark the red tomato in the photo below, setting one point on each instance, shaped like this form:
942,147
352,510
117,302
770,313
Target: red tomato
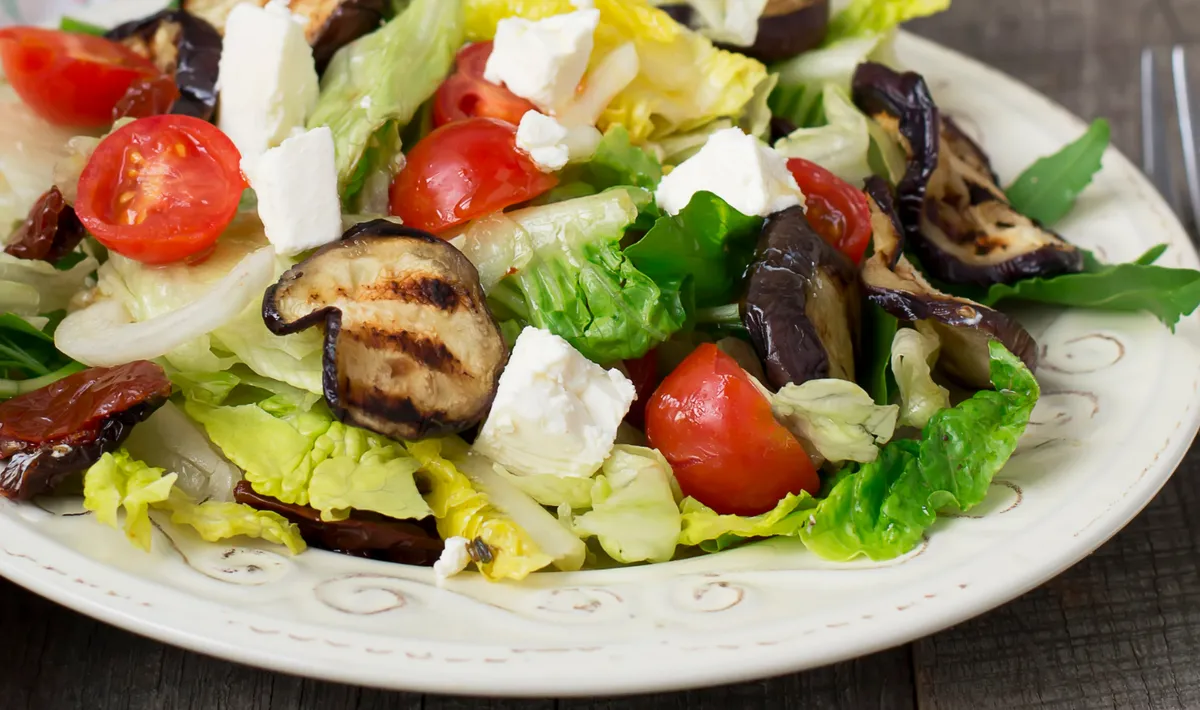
462,171
643,372
837,210
467,94
717,431
70,79
161,189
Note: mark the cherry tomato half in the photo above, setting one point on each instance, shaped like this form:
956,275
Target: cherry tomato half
71,79
836,209
465,170
161,189
467,94
717,431
643,373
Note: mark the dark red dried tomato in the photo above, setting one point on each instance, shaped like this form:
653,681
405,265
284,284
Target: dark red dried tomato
147,97
50,232
65,427
362,535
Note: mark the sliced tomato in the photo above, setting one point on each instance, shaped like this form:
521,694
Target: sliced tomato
71,79
161,189
643,373
462,171
466,94
836,209
724,444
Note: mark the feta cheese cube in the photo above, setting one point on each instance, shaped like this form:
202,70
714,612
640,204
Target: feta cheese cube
297,188
454,558
740,169
267,78
544,60
552,145
555,412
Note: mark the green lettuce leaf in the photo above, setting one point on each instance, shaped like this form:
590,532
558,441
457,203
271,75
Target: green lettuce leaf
873,17
553,491
116,482
879,330
714,532
708,244
618,162
633,512
842,145
802,79
882,510
214,521
378,82
837,417
1169,294
579,285
1047,190
461,510
914,352
28,358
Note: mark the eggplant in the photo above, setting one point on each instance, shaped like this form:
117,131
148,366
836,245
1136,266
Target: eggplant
785,28
186,48
332,24
965,327
958,221
802,304
411,348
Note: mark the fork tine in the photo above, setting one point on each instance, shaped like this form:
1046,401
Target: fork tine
1187,128
1155,161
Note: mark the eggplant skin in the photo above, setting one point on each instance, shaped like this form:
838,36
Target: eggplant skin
891,282
802,303
787,28
186,48
411,348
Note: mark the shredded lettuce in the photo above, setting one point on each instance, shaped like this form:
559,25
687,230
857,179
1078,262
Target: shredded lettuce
634,514
841,420
375,85
914,353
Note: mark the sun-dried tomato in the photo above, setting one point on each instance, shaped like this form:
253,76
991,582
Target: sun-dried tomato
50,232
362,535
65,427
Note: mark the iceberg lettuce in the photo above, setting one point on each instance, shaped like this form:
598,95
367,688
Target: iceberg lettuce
634,514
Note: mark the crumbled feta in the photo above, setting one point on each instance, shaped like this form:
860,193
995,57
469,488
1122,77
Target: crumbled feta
297,189
740,169
267,78
454,559
555,412
544,60
553,145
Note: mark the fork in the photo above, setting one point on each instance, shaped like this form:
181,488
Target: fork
1156,161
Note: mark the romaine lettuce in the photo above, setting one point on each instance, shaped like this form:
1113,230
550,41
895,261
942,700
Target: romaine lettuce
837,417
634,514
841,146
714,532
874,17
914,353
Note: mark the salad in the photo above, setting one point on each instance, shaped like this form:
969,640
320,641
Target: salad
521,285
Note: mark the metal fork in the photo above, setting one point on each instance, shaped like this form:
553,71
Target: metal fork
1156,162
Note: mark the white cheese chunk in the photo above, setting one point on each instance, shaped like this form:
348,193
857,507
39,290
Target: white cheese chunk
740,169
267,79
552,145
297,188
455,558
555,412
544,60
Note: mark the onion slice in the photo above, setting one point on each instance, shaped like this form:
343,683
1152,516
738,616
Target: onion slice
103,334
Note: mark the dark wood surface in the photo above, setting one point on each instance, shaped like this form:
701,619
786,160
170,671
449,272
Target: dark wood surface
1119,630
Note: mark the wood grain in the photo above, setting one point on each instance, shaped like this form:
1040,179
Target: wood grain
1120,630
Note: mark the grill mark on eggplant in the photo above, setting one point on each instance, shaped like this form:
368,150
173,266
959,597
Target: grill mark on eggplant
427,351
423,290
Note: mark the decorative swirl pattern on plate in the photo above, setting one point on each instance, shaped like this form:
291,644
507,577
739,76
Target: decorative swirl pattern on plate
1083,355
709,597
1063,408
581,603
364,594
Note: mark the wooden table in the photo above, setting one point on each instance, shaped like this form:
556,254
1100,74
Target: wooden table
1120,630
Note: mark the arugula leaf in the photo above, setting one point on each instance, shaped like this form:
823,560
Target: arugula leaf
708,244
28,358
1047,190
1167,293
70,24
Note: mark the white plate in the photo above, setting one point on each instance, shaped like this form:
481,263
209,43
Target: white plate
1118,412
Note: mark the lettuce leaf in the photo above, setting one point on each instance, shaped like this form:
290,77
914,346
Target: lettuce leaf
882,510
633,513
463,511
842,145
803,79
683,83
580,286
872,17
214,521
714,532
378,82
841,420
618,162
708,244
914,353
117,481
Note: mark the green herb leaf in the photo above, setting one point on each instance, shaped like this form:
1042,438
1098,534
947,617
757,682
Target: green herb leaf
1047,190
28,358
70,24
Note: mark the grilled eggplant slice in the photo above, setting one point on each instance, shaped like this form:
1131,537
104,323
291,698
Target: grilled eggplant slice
411,349
785,28
892,283
802,304
958,220
332,24
184,47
